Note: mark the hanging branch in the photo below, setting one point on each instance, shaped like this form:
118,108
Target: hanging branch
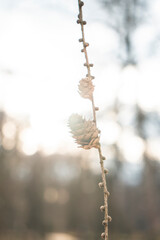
84,131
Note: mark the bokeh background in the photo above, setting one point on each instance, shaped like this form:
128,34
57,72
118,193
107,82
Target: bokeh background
49,187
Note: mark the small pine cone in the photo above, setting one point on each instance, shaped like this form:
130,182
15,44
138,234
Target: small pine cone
84,132
86,88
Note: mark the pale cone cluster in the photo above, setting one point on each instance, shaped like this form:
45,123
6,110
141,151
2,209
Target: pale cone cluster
84,132
86,88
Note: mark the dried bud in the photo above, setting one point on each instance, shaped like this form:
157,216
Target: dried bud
104,222
109,219
88,65
103,235
103,158
107,193
106,171
81,4
101,185
86,44
80,40
102,208
84,22
96,109
78,21
82,50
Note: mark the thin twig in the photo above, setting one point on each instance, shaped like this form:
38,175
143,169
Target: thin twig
103,171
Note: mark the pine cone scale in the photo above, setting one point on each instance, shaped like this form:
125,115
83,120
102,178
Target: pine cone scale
84,132
86,88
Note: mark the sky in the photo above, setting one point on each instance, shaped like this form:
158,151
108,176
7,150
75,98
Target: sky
41,65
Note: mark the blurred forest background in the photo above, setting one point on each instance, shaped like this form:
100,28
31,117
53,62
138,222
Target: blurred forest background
55,195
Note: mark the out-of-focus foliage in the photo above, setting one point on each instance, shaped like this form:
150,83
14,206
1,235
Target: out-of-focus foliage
124,17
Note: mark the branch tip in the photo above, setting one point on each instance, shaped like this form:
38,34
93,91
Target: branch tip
81,4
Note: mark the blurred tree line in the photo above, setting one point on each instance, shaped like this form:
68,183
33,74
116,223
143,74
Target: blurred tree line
57,193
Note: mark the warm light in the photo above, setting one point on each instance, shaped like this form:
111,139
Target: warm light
45,66
153,148
111,132
9,130
8,144
129,85
51,195
131,146
28,142
149,85
59,236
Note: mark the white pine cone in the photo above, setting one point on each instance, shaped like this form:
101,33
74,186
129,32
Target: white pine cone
86,88
84,132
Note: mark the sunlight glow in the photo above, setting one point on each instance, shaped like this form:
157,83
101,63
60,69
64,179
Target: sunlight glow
9,130
60,236
148,92
8,143
28,142
129,83
153,148
40,67
132,146
111,132
52,195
